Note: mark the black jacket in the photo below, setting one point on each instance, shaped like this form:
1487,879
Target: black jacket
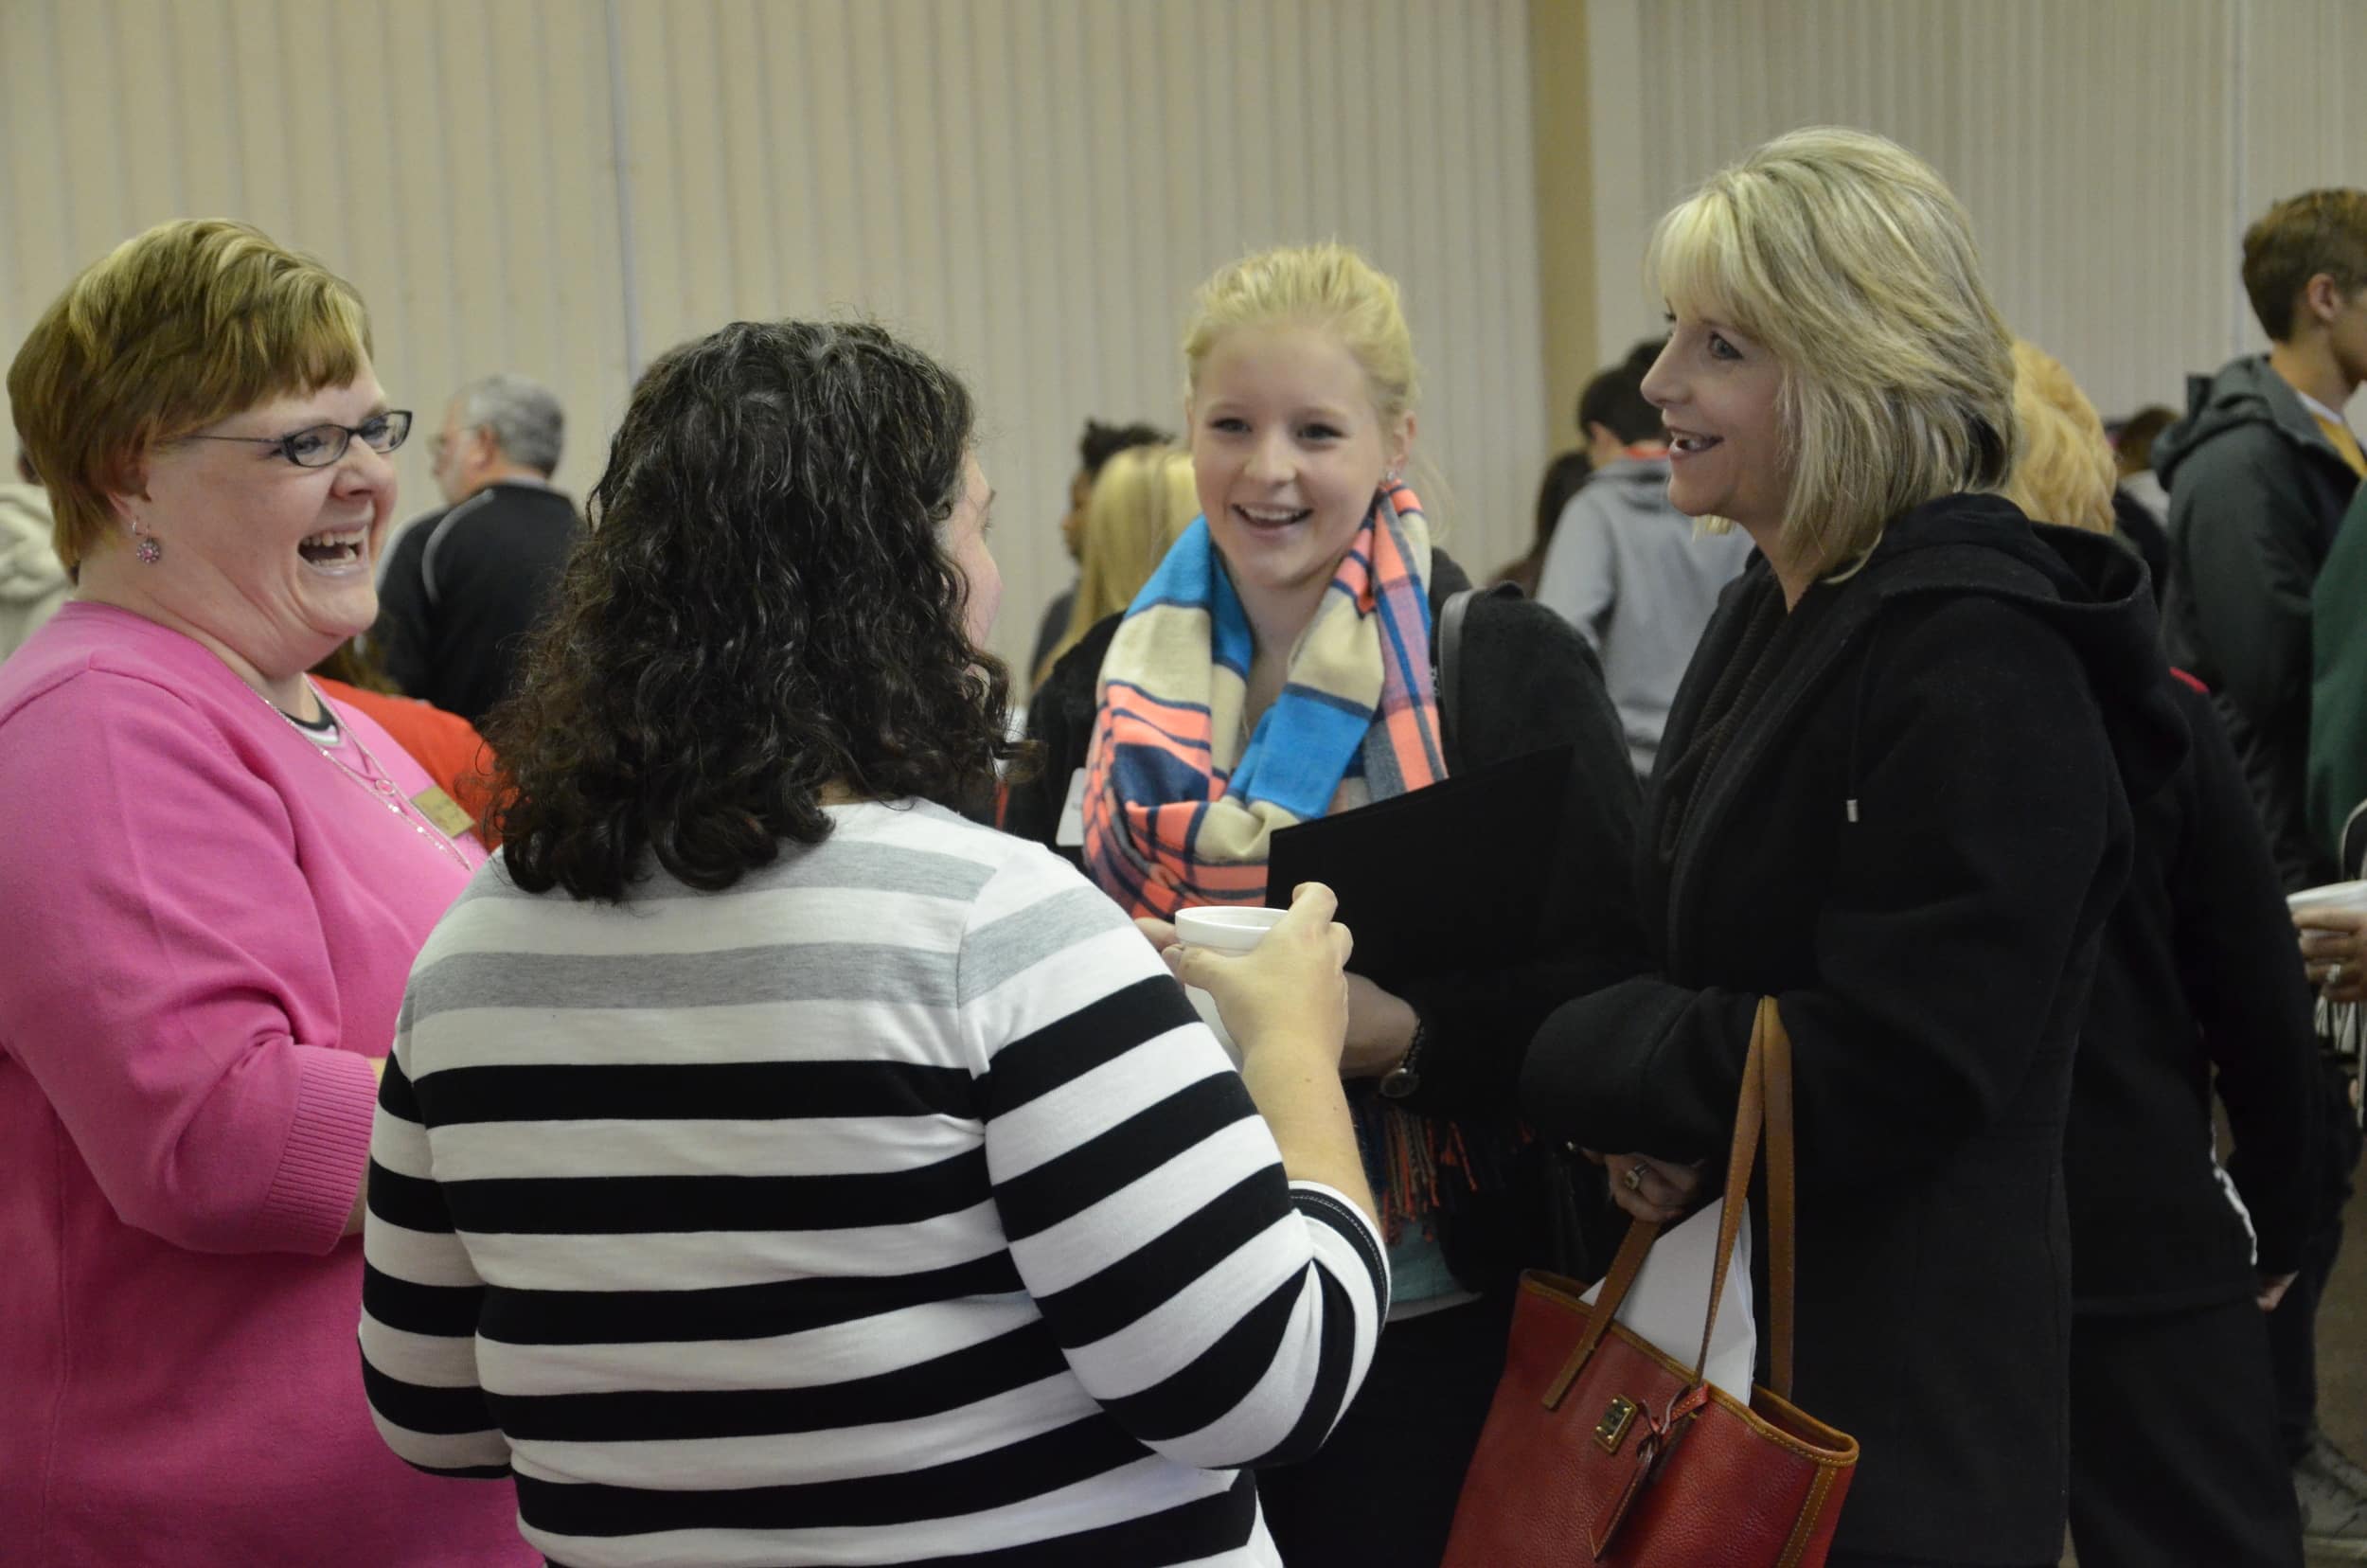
2257,494
2143,533
1528,682
1911,834
463,588
2198,971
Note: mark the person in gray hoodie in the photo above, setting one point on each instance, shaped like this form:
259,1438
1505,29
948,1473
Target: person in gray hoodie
1627,568
32,579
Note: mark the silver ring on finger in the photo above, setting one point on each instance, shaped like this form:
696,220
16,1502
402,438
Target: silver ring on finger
1634,1177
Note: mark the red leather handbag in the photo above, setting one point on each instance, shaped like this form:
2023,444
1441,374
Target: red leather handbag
1600,1449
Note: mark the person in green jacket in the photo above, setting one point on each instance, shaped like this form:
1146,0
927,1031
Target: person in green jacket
2338,688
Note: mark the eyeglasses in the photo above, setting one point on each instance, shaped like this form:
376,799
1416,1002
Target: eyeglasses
323,444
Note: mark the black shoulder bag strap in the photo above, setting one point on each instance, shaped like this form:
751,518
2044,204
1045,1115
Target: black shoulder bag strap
1447,659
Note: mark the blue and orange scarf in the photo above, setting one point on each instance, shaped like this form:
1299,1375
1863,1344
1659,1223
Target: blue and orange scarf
1179,811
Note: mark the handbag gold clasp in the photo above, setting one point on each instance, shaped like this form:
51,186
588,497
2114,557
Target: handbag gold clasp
1612,1429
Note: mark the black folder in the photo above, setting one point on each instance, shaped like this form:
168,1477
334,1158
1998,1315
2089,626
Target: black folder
1446,878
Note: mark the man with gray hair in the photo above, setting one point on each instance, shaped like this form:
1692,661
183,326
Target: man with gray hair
463,585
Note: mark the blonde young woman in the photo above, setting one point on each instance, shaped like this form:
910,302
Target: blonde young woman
1896,793
1278,666
2175,1453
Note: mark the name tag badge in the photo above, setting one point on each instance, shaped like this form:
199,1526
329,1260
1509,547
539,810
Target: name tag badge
441,810
1071,833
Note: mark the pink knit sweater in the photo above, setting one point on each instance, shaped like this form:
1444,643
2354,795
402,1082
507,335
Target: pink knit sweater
205,930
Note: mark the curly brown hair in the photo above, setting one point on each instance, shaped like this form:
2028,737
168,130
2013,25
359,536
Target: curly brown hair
762,608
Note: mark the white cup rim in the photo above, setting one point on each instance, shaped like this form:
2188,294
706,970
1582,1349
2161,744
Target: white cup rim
1234,927
2342,895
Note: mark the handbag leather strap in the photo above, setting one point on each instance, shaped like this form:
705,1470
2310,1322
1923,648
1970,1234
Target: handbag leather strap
1782,1212
1766,1100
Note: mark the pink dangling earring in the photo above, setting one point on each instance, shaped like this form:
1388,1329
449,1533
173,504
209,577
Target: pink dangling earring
149,551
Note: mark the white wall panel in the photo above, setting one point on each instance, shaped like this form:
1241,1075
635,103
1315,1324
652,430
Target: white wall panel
451,158
1032,187
1029,188
2110,151
2305,120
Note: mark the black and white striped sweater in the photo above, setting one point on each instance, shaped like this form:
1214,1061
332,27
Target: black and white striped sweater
889,1207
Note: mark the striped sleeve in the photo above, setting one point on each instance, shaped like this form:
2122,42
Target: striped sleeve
1222,1314
420,1297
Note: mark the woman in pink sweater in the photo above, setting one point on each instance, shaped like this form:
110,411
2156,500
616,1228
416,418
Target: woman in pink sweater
213,882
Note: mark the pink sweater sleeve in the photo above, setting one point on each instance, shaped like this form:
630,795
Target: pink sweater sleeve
160,933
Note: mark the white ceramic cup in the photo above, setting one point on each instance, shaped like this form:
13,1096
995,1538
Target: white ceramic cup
1221,928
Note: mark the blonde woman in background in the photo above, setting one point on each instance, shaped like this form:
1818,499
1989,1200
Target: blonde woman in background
2174,1452
1141,504
2063,468
1894,794
1279,665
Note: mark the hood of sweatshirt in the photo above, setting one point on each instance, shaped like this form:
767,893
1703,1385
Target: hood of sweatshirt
2084,585
2245,391
29,569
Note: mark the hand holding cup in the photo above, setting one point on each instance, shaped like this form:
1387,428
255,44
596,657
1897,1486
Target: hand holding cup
1289,989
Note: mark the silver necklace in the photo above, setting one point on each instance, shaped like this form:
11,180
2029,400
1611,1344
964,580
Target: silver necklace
378,782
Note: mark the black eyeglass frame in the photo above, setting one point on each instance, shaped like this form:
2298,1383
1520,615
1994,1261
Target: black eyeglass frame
396,421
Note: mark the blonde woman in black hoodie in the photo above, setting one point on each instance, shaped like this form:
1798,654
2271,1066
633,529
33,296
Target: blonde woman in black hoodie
1894,792
2175,1454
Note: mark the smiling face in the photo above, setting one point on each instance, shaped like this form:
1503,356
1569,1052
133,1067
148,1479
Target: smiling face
266,562
1717,392
1288,449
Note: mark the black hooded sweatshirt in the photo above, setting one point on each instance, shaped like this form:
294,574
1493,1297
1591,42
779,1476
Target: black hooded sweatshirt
2257,494
1905,810
2198,981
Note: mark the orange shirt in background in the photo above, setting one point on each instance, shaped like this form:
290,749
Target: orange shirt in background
445,744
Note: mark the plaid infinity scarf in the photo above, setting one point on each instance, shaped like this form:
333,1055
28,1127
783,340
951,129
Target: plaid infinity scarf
1178,812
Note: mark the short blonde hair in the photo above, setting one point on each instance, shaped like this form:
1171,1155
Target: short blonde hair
2063,470
1329,286
174,329
1142,502
1851,262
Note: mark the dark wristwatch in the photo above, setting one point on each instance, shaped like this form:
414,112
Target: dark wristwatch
1405,1078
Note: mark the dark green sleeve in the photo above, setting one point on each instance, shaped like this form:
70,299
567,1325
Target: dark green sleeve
2338,708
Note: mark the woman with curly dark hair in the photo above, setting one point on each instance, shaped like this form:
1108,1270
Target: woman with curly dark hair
773,1164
